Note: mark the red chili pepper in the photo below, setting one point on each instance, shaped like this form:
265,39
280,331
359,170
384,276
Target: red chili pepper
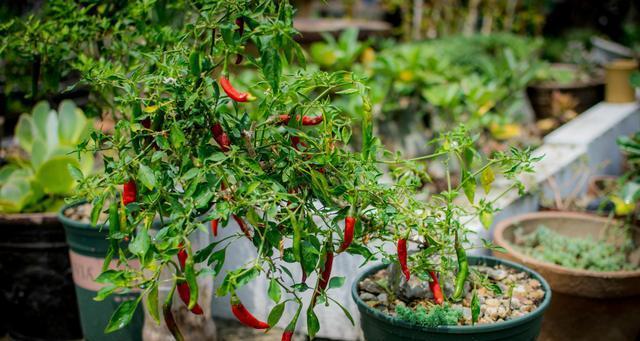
185,294
349,226
295,142
434,285
306,120
183,286
240,23
221,137
244,316
182,256
325,276
243,226
233,93
287,335
129,192
214,227
402,257
169,319
326,272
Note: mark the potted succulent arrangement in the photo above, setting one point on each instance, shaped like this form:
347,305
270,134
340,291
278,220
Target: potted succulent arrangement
34,259
561,91
591,262
196,153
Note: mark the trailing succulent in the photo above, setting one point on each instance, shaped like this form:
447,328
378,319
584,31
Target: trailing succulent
194,147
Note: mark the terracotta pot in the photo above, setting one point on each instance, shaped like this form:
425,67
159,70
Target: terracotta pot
618,87
586,305
586,94
597,284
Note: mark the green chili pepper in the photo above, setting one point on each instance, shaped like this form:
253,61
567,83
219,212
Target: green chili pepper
463,273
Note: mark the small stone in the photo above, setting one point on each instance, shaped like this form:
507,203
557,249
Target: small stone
466,313
515,303
491,313
492,302
369,285
536,295
533,283
365,296
502,311
383,298
497,274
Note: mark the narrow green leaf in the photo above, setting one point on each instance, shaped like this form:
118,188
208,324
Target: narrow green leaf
152,303
146,176
475,308
122,316
274,291
275,314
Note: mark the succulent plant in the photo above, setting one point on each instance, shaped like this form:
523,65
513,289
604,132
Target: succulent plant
39,176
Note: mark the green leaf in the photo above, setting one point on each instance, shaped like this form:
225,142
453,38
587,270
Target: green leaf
275,314
54,175
40,114
336,282
194,63
73,123
274,292
469,185
152,303
146,176
486,218
345,311
122,316
176,136
271,67
486,179
313,325
140,243
75,172
475,308
24,132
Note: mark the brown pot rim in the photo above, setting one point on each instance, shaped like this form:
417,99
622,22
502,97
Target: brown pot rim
17,218
498,237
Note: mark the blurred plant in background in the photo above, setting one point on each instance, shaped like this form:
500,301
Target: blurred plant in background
38,177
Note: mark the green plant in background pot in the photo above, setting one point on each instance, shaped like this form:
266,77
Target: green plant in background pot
34,256
192,150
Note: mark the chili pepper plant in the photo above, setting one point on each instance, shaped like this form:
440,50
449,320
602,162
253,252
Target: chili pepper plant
196,153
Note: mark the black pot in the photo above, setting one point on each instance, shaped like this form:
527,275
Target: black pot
378,326
39,301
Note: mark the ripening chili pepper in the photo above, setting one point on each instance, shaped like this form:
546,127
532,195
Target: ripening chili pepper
291,328
349,226
434,285
306,120
233,93
463,273
129,192
402,257
169,320
214,227
244,316
240,23
182,256
185,295
325,275
146,123
287,335
326,272
221,137
295,142
243,226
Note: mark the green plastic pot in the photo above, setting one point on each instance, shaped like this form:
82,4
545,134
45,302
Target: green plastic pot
88,248
378,326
